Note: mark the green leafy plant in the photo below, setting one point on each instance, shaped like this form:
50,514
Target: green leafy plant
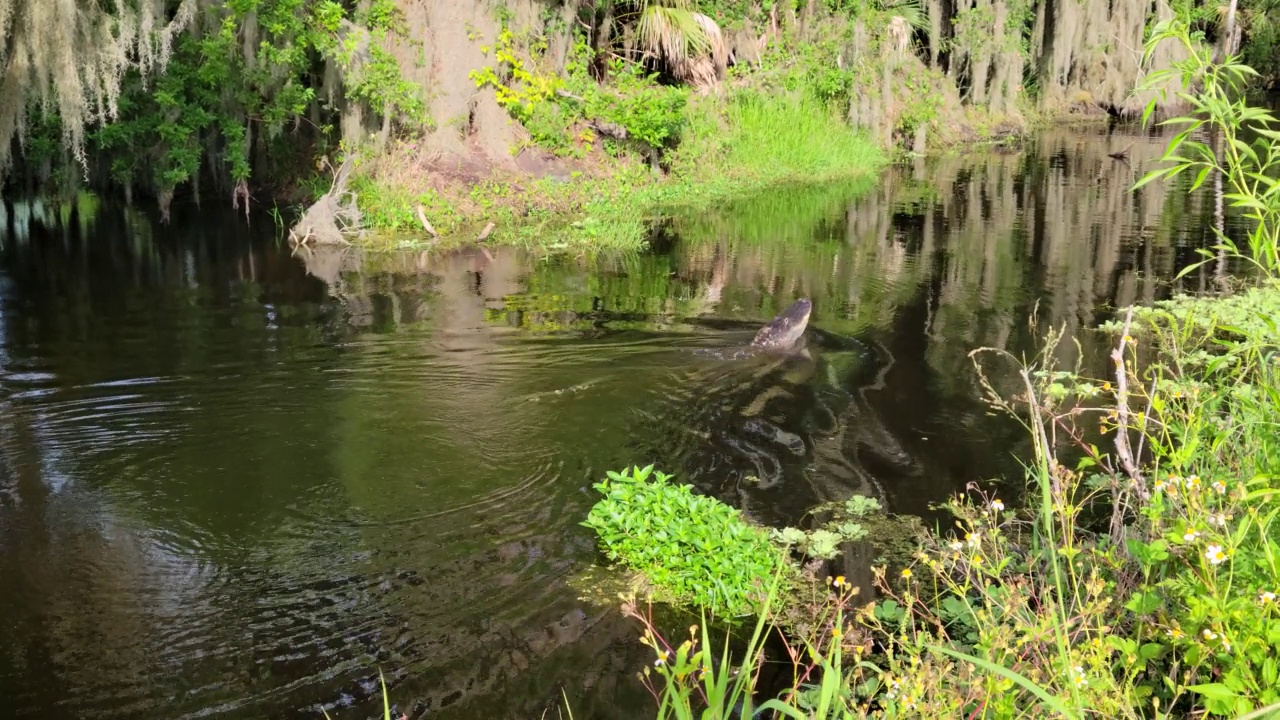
689,547
519,86
843,525
1250,170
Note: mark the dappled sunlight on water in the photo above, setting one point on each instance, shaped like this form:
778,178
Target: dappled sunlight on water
237,482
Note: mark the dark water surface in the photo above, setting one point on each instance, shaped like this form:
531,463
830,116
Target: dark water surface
235,483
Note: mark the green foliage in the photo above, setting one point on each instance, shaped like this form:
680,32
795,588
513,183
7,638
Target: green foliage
842,526
829,677
518,85
647,111
218,98
691,548
651,113
1250,170
1260,23
690,674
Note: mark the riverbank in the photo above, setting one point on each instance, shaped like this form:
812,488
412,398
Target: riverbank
597,157
601,201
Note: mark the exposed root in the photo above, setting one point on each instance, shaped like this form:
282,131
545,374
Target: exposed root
240,193
332,217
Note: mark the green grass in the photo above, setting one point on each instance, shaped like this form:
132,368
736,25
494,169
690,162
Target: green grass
757,139
729,149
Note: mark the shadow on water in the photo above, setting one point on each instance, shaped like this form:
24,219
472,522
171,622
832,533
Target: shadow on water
235,482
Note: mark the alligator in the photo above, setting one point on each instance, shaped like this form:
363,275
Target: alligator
781,336
785,331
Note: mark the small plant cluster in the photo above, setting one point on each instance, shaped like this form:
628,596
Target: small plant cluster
519,86
695,550
843,525
563,114
689,547
691,680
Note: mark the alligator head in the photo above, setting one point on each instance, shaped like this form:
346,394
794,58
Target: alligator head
784,331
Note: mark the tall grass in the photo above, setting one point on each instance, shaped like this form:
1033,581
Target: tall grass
763,139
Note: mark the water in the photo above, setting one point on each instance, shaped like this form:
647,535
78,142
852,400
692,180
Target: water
236,482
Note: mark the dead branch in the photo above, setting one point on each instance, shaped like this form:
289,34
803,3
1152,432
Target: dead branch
334,215
1137,484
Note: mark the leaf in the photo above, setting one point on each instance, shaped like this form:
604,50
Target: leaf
1028,685
1143,603
1204,172
1213,691
1150,651
1150,177
786,710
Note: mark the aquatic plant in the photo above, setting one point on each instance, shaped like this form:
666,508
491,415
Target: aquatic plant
689,547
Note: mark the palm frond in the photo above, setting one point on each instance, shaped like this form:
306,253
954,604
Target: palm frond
911,11
672,33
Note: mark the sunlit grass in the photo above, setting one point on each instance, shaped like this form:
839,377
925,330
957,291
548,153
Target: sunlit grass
729,149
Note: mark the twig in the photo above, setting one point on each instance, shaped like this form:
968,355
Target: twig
1123,451
1122,403
1123,153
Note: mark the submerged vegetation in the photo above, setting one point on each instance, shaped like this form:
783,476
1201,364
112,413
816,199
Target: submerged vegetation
536,115
1142,577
